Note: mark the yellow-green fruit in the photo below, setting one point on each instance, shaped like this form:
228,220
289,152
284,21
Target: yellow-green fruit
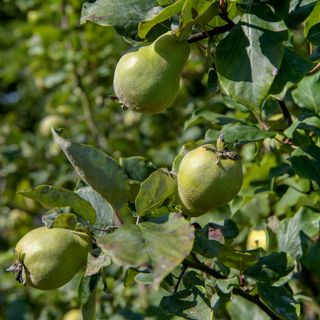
147,80
74,314
207,180
51,257
49,121
257,239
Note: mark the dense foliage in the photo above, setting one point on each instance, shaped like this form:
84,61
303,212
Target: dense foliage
253,75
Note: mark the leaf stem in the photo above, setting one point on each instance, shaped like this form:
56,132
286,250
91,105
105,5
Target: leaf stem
285,112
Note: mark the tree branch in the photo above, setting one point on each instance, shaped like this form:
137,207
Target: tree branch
211,33
196,264
255,299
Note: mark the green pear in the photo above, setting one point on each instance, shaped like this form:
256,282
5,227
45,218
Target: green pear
49,258
147,79
208,178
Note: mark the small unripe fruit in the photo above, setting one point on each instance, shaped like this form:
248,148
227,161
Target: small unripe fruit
49,258
257,239
147,80
74,314
208,178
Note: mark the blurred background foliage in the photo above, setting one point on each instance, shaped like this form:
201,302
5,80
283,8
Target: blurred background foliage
55,72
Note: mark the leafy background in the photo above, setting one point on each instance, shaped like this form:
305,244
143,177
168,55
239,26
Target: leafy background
251,84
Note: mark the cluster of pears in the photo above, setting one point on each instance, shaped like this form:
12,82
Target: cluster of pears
147,78
49,258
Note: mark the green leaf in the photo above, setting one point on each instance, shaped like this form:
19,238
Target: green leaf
241,134
271,268
87,295
307,93
207,244
123,15
95,264
248,59
280,301
305,162
191,302
87,286
54,197
226,285
306,121
129,276
299,10
312,25
194,11
240,308
137,168
293,68
161,246
311,258
98,170
102,208
146,25
155,190
229,229
292,232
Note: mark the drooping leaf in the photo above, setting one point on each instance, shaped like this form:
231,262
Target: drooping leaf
248,59
123,15
146,25
102,208
292,231
280,301
54,197
271,268
98,170
154,190
161,246
191,302
307,93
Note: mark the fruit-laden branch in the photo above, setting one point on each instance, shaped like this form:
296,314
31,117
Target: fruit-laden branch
211,33
196,264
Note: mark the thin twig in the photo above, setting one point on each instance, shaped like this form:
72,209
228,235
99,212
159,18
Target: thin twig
285,112
176,287
87,109
314,70
211,33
